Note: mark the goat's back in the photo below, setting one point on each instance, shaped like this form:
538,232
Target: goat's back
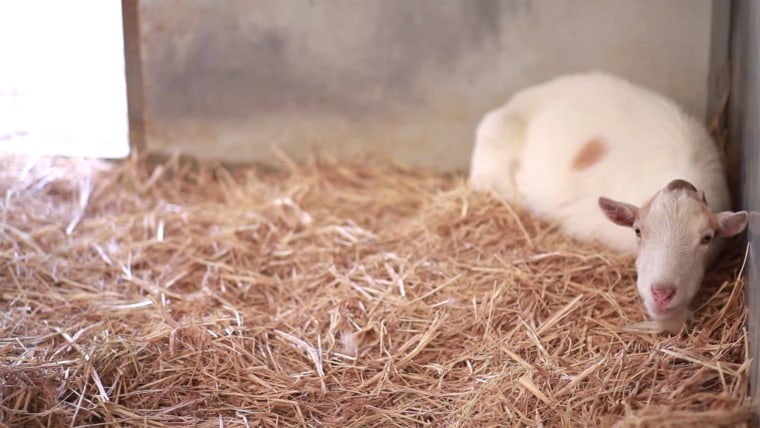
591,135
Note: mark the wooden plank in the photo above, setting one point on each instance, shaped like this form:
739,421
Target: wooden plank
134,74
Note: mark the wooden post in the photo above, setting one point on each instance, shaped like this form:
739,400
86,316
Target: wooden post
134,74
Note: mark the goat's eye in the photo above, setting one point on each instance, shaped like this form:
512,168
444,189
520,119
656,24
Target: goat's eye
706,239
638,232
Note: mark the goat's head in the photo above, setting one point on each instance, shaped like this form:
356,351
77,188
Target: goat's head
675,230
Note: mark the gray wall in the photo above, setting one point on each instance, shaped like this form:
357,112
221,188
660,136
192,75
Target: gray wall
229,79
745,110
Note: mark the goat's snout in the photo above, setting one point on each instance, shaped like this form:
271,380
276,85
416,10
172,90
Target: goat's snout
663,295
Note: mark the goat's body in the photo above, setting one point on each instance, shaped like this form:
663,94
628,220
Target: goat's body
558,146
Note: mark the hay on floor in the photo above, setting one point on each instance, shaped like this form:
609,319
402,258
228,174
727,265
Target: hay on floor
332,294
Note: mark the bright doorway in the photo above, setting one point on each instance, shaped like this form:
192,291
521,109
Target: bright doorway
62,78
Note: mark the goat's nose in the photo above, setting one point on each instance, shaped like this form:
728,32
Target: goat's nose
663,294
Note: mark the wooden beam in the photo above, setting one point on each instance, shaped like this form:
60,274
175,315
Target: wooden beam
134,74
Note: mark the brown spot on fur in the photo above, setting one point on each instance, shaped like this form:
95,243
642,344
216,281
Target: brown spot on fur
690,189
679,184
591,153
692,192
714,225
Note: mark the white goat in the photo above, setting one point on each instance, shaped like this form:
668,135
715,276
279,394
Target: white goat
581,142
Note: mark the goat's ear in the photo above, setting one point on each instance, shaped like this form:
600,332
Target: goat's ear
731,223
619,212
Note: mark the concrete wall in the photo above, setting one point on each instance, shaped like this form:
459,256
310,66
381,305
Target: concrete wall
410,80
745,109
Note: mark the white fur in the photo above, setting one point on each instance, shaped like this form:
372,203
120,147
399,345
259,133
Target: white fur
677,237
670,252
525,149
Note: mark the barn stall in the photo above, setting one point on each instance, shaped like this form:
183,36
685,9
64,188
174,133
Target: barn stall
292,241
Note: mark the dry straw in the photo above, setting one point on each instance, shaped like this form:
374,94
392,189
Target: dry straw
332,294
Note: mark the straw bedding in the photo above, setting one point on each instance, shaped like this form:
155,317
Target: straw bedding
332,294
